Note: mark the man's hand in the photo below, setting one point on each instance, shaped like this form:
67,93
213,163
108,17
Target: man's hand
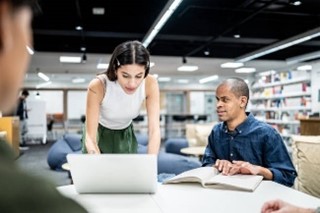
226,167
247,168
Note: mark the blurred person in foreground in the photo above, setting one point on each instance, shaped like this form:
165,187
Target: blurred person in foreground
21,192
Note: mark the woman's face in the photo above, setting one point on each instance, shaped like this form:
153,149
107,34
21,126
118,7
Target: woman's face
130,77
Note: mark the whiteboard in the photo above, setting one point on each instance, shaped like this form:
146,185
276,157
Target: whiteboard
76,104
37,120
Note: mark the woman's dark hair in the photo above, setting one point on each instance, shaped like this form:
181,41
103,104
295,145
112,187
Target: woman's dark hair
130,52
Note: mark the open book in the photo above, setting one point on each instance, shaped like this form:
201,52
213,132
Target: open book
210,177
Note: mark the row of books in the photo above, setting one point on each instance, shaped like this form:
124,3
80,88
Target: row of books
282,90
283,76
283,102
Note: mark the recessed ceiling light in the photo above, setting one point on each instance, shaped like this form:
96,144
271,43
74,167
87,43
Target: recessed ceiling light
79,27
296,3
245,70
231,65
70,59
208,79
236,35
187,68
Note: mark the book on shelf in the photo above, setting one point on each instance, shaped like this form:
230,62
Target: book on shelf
209,177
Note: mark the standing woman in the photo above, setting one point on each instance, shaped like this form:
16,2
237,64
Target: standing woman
115,97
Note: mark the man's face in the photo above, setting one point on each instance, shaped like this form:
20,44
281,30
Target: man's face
229,106
14,57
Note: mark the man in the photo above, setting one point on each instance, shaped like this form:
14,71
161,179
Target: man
242,144
20,192
22,112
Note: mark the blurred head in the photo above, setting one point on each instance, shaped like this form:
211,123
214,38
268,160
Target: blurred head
232,98
15,35
129,65
25,93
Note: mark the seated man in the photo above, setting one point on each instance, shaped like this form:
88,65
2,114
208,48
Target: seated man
242,144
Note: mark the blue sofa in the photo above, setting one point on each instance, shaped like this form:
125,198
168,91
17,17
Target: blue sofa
69,143
168,163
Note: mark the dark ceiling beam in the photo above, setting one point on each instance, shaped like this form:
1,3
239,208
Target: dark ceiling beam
231,28
244,10
88,34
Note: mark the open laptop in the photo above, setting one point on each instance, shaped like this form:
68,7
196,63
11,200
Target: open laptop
113,173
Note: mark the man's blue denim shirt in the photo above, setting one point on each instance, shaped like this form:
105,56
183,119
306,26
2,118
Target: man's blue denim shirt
255,142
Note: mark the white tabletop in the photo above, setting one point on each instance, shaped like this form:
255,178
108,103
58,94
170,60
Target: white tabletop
193,198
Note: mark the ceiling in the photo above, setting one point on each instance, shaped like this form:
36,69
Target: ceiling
195,26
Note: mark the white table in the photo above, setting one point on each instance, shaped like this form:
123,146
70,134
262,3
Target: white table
176,198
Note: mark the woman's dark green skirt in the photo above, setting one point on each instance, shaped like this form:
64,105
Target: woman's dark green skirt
114,141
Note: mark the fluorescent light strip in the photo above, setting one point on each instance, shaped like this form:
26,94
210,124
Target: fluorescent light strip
164,79
231,65
183,81
208,79
165,14
30,50
102,66
280,45
70,59
245,70
78,80
304,67
187,68
43,76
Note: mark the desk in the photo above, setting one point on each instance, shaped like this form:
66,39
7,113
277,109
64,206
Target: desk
175,198
197,151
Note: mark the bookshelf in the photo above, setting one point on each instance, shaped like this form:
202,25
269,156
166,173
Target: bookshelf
281,99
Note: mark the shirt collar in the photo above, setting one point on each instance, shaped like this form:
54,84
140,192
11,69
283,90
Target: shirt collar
243,126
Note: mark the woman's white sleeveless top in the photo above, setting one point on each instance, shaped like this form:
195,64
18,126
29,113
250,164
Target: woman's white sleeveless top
119,108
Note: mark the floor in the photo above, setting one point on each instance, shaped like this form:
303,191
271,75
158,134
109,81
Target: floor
34,161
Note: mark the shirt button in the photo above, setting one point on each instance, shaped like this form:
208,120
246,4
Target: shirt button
231,154
231,138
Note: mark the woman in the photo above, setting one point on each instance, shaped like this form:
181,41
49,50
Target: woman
115,97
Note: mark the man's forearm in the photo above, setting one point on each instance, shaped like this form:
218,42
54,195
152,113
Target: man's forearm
266,173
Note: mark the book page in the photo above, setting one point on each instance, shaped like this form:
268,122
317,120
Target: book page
242,182
195,175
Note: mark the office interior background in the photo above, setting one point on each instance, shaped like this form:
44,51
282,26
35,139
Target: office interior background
273,44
